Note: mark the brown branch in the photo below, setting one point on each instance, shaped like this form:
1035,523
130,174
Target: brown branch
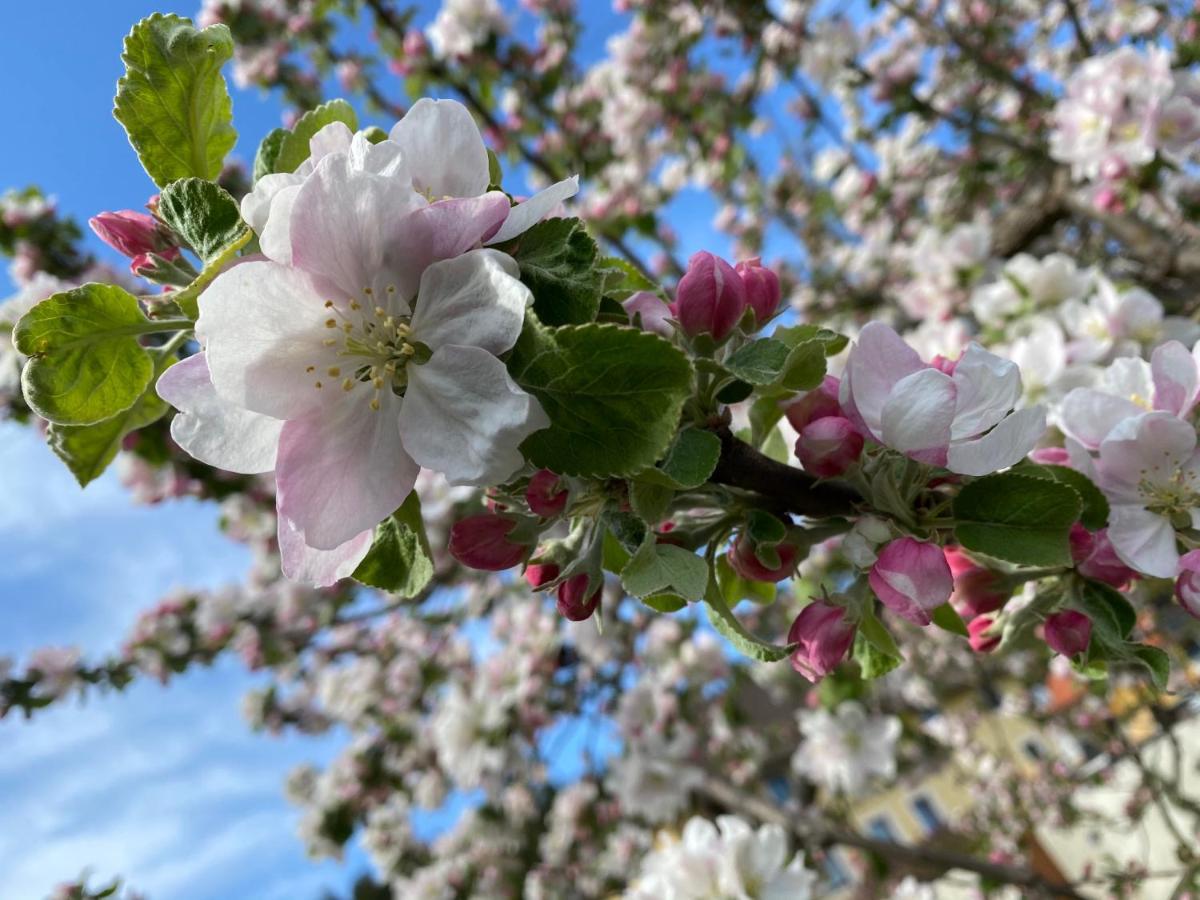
739,800
781,487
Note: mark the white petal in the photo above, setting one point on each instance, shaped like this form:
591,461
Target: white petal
319,568
276,237
530,212
443,149
262,327
1143,541
336,137
878,360
256,205
473,300
1005,445
1148,449
988,387
342,470
213,430
1176,380
1088,415
918,413
464,417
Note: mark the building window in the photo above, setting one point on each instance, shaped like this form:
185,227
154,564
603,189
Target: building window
881,829
837,876
1033,749
926,813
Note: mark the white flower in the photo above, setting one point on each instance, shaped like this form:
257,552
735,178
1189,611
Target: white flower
463,25
843,751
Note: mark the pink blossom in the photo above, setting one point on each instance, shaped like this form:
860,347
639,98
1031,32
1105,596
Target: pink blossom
710,298
546,494
573,599
746,563
912,578
824,634
1187,584
1068,632
821,401
981,636
762,289
829,446
481,542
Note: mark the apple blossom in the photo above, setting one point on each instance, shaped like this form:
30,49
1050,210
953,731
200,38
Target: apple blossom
762,289
824,635
710,298
982,634
976,590
843,750
546,493
744,560
481,542
573,599
912,578
962,421
1187,583
818,403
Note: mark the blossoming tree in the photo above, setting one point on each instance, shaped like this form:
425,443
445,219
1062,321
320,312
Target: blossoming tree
788,530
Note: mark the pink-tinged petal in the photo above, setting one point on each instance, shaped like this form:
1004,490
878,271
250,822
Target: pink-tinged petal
1176,381
1144,541
473,300
1089,415
336,137
343,222
385,158
442,231
1150,448
464,417
1005,445
319,568
342,470
653,312
213,430
917,416
256,205
262,325
443,149
528,213
912,578
878,360
988,387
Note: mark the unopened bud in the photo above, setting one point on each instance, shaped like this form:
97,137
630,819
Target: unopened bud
480,542
828,446
912,578
825,635
762,289
1068,632
574,602
545,494
710,298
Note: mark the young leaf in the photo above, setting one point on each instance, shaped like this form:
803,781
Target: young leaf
613,395
758,362
87,450
1113,617
947,618
620,280
172,99
1095,505
399,560
831,342
735,588
689,462
1157,663
731,628
661,567
203,214
557,258
876,632
873,661
85,362
268,152
650,501
1017,518
294,148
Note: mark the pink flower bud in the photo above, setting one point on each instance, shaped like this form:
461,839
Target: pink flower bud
145,263
545,494
981,639
649,311
1187,585
1068,632
573,600
762,289
976,590
710,298
538,575
744,561
912,577
1096,558
825,635
130,232
1051,456
818,403
829,446
480,542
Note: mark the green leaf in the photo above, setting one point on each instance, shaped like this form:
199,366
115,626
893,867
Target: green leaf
268,152
1017,518
946,617
203,214
88,450
658,567
765,528
557,258
765,413
650,501
735,588
619,279
731,628
294,148
804,367
871,628
664,603
399,560
613,396
758,362
831,342
689,461
85,362
613,556
872,661
495,173
1095,505
1113,617
172,99
1156,662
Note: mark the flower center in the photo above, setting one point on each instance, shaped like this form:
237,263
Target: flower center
1172,497
376,344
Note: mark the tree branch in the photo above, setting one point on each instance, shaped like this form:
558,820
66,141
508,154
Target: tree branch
782,487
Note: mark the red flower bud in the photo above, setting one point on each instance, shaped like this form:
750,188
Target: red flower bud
912,578
538,575
744,561
480,542
710,298
1187,585
131,233
976,590
828,446
1096,558
982,640
818,403
762,289
825,636
1068,632
573,600
545,495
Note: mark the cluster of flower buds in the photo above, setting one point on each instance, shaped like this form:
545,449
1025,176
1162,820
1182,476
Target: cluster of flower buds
713,297
828,443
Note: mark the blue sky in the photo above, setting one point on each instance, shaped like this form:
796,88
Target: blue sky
166,787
